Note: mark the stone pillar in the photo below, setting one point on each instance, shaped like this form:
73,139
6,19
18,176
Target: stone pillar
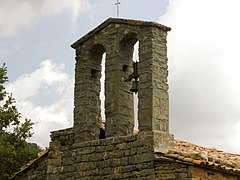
153,111
119,98
87,118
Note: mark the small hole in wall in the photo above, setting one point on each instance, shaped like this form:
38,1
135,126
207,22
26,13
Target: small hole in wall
95,73
102,133
125,68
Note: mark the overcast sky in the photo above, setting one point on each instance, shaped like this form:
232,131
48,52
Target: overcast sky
35,39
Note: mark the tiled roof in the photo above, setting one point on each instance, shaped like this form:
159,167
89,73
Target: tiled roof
198,155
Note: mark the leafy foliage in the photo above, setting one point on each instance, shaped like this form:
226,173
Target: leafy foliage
14,150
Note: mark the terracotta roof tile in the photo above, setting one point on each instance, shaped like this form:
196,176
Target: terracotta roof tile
195,161
192,153
173,155
188,159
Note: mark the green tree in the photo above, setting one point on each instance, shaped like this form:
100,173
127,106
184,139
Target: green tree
14,150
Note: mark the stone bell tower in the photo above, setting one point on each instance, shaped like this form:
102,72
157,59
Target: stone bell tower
116,38
81,153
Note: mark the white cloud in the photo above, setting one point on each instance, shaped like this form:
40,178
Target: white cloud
46,97
16,15
204,71
48,74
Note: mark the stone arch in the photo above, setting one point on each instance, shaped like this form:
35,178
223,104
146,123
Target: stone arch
126,45
95,58
96,51
128,41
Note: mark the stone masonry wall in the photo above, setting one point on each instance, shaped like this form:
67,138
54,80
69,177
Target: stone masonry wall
209,174
129,157
176,170
60,159
126,157
123,157
57,163
172,170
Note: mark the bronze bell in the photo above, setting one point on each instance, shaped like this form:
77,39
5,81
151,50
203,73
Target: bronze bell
134,86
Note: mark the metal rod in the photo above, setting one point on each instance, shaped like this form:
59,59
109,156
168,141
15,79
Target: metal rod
117,4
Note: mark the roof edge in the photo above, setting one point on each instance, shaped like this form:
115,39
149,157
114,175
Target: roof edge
26,167
222,168
118,21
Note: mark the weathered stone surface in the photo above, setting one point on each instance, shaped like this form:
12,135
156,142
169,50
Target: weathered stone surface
129,157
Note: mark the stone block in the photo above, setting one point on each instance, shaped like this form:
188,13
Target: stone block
162,141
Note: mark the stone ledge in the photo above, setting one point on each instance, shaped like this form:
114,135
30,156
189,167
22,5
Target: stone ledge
62,132
107,141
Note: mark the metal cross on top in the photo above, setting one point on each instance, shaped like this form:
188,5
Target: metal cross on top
117,4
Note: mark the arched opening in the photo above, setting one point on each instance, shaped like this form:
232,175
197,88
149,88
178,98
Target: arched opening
129,48
96,56
102,97
102,92
135,94
97,64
